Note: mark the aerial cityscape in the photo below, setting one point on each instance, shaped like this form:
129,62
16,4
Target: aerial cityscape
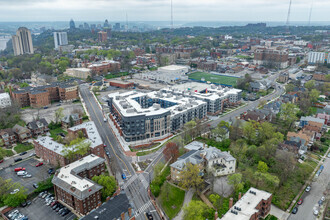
165,109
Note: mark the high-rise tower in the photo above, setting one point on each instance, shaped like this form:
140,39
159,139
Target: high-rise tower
22,42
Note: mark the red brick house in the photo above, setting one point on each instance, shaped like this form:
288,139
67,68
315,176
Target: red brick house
22,133
8,137
38,127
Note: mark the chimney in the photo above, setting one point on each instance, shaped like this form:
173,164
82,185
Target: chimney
215,215
239,195
122,216
130,212
231,200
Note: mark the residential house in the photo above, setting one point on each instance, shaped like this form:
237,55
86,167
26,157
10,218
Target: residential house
291,146
306,139
260,115
8,137
325,110
71,121
289,98
192,157
274,107
218,138
325,117
22,133
38,127
309,120
219,163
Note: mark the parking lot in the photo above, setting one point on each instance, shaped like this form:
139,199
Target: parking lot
39,210
38,173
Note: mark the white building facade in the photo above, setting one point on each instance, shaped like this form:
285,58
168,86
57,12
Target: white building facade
5,100
60,39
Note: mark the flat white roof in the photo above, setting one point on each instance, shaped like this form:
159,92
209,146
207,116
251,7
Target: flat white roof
247,204
79,69
172,68
4,95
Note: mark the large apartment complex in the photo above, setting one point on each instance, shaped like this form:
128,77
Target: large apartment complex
154,115
22,42
43,95
270,57
52,152
60,39
73,185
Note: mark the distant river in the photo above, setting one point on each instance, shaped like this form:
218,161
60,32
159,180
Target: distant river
3,42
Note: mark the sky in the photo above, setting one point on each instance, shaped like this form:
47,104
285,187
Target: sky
159,10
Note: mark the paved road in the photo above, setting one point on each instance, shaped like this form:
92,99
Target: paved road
136,184
305,211
10,160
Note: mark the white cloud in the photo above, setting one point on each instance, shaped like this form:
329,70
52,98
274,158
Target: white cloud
156,10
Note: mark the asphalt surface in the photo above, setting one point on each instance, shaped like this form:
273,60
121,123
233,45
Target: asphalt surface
38,173
311,198
10,160
136,188
39,210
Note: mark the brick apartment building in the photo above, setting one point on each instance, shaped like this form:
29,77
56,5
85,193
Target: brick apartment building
52,152
105,67
102,36
269,57
253,205
73,186
43,95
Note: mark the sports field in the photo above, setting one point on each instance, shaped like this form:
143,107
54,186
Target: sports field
226,80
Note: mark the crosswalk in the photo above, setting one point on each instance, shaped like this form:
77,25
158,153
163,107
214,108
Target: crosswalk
130,180
143,208
144,181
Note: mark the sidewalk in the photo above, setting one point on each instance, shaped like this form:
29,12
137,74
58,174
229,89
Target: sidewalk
187,198
279,213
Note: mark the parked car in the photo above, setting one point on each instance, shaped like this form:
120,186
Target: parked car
294,210
55,206
17,159
40,194
19,169
44,195
322,198
35,186
308,188
104,119
12,213
27,176
45,107
21,173
316,212
67,211
108,153
39,164
23,153
104,145
14,191
300,201
320,202
123,176
53,203
1,161
51,171
32,154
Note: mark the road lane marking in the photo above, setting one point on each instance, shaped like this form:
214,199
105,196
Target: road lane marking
105,134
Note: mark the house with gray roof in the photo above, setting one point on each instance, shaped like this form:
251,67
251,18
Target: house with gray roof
71,120
38,127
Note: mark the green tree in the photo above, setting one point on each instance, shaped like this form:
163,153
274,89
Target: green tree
288,114
249,132
216,201
314,95
62,65
190,177
109,185
189,130
196,210
310,85
236,181
2,151
77,147
262,167
59,115
14,200
289,87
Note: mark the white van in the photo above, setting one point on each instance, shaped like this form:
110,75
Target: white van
21,173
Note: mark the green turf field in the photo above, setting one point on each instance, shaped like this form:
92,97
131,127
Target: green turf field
227,80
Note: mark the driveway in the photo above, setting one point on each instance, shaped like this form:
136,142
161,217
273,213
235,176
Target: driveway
311,198
38,173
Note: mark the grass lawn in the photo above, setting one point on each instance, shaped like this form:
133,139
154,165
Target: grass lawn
171,199
226,80
23,147
149,151
54,132
9,153
271,217
111,76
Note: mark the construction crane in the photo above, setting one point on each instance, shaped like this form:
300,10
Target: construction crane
289,12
